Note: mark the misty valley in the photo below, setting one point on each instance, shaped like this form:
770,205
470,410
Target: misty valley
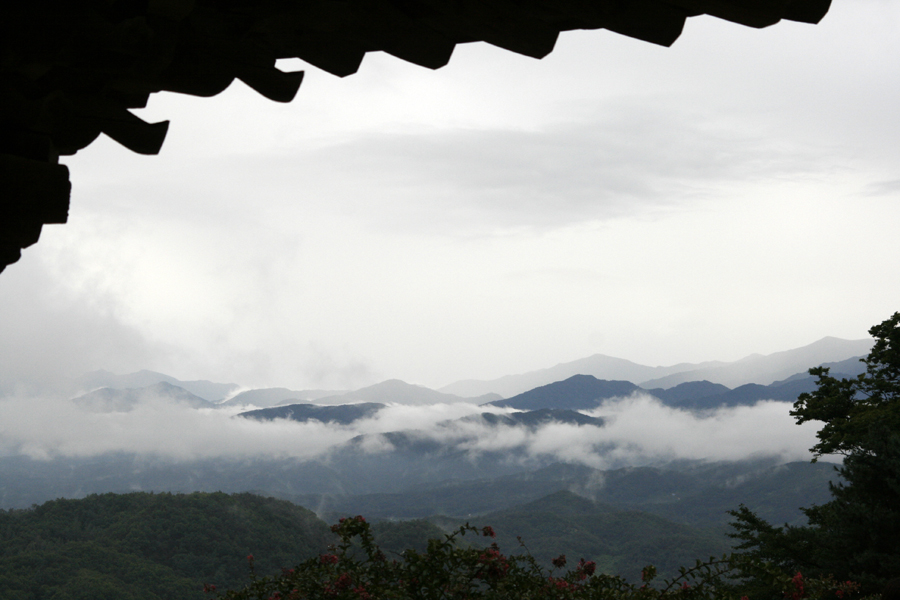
169,484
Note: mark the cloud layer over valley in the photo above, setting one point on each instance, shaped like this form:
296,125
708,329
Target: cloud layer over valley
637,430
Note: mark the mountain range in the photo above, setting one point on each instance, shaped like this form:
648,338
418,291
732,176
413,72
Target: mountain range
768,370
685,386
755,368
532,455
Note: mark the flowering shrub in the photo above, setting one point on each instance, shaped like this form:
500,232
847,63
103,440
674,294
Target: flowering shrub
357,569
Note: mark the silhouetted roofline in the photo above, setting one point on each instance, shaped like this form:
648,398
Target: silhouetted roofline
71,69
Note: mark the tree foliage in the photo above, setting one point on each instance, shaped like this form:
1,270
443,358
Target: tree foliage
450,570
858,413
855,536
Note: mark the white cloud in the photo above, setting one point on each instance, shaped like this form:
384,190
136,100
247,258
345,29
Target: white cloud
638,430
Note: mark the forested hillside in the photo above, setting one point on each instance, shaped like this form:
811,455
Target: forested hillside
150,546
620,542
142,546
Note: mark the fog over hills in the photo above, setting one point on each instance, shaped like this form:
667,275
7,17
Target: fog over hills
146,431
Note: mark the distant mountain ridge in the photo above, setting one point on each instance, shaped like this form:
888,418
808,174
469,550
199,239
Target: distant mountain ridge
400,392
756,368
586,392
268,397
598,365
579,392
208,390
125,400
765,370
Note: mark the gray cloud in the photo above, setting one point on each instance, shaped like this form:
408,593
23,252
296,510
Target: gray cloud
48,336
884,188
626,159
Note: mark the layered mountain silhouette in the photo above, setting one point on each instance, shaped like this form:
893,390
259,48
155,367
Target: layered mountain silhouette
778,376
576,393
765,370
756,368
585,392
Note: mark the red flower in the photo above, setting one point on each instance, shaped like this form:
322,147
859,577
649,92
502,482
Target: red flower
587,567
561,584
343,581
560,561
488,531
328,559
798,592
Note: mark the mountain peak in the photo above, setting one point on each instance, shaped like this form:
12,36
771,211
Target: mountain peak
578,392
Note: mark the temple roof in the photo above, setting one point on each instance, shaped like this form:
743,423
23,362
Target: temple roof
72,69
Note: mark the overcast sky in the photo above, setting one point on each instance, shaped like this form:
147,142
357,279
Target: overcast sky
735,193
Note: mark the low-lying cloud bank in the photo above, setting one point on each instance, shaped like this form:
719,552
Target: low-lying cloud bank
637,430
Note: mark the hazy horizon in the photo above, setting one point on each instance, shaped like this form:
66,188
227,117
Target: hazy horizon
733,194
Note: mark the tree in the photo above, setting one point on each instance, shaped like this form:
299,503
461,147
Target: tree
858,413
857,534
